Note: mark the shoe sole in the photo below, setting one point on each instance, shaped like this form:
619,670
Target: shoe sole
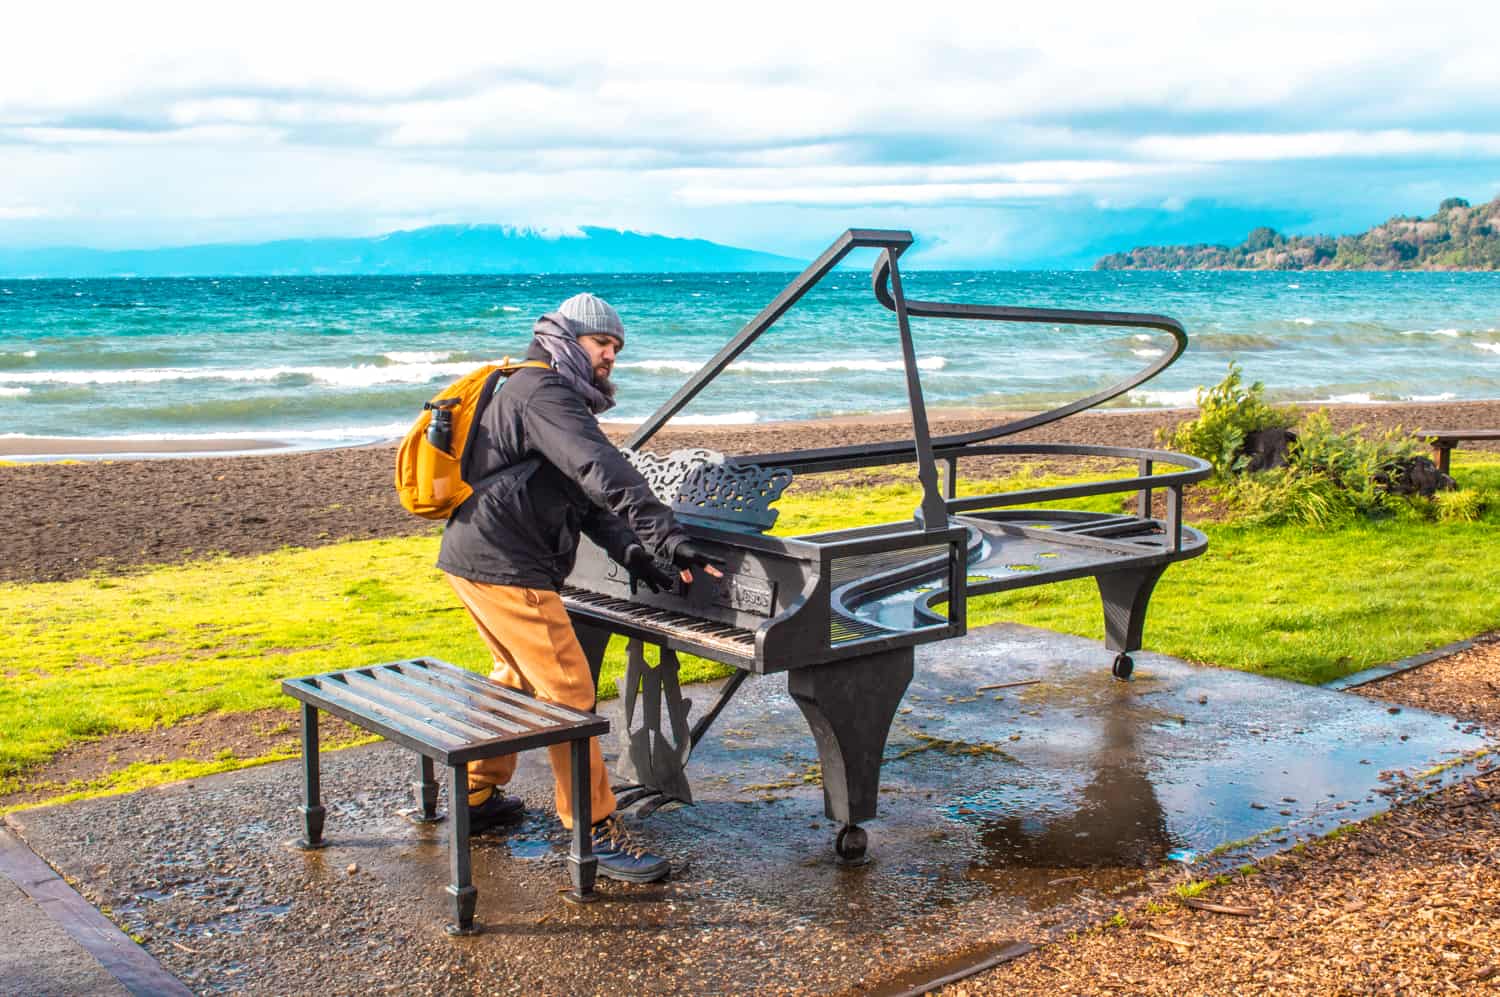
628,877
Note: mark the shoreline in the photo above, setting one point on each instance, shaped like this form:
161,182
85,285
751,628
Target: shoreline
41,449
87,447
88,511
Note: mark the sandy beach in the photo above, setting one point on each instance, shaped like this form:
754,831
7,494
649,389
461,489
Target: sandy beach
68,519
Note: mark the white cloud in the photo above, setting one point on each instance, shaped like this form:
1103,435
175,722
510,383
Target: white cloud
873,194
1251,147
691,115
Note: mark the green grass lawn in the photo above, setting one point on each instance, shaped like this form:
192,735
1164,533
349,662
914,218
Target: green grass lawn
119,653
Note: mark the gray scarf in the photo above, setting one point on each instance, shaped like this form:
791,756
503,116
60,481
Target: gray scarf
555,335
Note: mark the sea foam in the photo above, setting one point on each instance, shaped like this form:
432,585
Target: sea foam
417,356
785,366
357,376
1164,399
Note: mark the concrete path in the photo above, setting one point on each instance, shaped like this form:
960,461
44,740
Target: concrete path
56,942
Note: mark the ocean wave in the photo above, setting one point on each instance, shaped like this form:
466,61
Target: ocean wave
329,434
1164,399
13,392
1451,333
357,376
785,366
1446,396
418,356
1491,347
1149,353
723,419
1305,321
1224,342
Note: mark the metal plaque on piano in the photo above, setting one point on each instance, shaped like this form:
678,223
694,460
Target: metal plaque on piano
745,594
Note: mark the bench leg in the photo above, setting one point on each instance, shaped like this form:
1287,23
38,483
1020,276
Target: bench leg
581,862
427,792
1444,456
461,891
312,804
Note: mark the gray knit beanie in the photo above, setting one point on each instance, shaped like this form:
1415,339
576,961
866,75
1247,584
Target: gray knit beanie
588,314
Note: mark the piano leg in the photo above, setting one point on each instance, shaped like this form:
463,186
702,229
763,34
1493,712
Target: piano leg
849,705
1125,595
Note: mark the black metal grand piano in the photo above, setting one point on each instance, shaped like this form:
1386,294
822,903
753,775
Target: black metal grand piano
842,611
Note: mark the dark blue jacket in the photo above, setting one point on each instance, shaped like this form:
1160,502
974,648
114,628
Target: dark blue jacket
543,472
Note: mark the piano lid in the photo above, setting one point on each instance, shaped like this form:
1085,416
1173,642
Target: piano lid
886,285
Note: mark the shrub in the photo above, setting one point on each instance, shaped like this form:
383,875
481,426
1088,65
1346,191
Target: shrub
1283,495
1332,477
1228,412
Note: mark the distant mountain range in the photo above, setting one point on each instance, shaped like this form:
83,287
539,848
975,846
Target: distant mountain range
447,249
1458,237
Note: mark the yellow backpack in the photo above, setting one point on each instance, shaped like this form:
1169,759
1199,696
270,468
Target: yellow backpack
429,462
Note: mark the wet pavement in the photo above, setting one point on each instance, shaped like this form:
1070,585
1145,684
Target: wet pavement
1007,815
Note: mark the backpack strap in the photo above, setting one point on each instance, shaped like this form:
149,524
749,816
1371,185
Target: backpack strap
491,385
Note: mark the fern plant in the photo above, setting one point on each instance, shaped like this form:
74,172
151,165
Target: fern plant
1228,412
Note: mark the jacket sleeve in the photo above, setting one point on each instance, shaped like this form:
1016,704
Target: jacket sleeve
560,427
610,532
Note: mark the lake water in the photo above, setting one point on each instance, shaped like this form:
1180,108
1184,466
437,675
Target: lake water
319,361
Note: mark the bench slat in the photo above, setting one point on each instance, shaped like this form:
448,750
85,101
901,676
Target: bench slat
459,703
442,711
502,707
551,713
1458,434
391,713
373,688
334,697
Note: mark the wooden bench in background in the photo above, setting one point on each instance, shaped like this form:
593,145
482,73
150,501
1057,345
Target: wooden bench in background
1444,440
450,716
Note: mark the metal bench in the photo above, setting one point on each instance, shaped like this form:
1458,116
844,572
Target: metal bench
449,715
1444,440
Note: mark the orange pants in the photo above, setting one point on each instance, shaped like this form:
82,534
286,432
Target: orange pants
535,651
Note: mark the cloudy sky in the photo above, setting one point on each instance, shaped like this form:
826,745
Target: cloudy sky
1039,134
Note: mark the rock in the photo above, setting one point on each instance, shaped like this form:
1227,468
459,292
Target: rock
1414,476
1267,448
353,868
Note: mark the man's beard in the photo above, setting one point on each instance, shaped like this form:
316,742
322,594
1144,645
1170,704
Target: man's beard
604,384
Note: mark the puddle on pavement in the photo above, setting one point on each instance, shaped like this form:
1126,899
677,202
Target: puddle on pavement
1070,782
528,849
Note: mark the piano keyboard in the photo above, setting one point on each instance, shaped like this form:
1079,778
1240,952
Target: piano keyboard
732,640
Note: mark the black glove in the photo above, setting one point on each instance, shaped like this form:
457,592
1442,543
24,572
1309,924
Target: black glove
645,569
689,556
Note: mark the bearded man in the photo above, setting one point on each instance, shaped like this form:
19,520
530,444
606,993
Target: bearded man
543,472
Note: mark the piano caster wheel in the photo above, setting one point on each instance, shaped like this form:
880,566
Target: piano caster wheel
849,845
1123,666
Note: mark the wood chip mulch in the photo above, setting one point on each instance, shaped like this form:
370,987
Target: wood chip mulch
1405,904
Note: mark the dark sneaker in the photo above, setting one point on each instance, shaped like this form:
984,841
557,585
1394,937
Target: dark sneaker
497,809
622,858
